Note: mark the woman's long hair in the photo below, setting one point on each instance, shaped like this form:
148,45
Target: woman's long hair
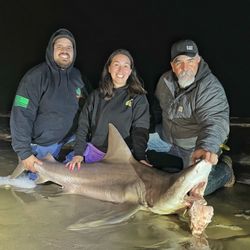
106,86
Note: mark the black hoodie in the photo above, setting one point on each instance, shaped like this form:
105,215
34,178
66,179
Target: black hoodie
46,102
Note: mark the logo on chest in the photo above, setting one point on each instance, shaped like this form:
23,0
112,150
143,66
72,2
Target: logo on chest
180,109
129,103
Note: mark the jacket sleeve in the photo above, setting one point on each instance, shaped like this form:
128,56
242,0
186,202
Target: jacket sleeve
139,138
140,127
212,115
23,114
84,126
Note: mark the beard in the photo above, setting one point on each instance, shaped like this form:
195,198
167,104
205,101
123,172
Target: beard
185,79
63,63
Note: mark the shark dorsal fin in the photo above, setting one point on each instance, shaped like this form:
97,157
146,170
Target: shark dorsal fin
118,150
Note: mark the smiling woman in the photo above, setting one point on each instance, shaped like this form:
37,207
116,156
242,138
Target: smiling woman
120,100
120,70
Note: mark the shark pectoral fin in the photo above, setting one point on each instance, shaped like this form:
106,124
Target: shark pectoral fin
124,212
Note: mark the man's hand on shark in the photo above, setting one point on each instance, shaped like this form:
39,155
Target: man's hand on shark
76,161
29,163
202,154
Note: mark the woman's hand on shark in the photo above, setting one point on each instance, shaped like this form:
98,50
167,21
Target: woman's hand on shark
76,161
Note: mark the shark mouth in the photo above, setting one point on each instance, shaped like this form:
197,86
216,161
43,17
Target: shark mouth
199,213
196,194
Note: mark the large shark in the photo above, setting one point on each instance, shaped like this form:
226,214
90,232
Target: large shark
119,178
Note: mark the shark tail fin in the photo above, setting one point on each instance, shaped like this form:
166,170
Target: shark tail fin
118,150
18,170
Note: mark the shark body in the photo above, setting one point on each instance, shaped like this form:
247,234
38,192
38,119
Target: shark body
119,178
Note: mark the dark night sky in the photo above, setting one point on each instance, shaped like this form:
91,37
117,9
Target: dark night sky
146,28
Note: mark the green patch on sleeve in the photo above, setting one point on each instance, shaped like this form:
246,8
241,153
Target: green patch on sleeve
21,101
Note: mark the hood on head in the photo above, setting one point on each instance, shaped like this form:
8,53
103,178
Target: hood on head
50,48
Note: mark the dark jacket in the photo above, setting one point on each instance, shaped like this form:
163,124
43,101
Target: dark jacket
195,117
46,102
130,115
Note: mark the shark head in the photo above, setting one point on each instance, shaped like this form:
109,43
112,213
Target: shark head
184,187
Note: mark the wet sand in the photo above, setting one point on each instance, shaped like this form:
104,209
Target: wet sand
39,218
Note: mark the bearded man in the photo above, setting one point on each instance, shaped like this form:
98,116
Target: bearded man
47,102
194,114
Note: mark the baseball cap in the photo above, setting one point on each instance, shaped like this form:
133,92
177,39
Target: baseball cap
184,47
